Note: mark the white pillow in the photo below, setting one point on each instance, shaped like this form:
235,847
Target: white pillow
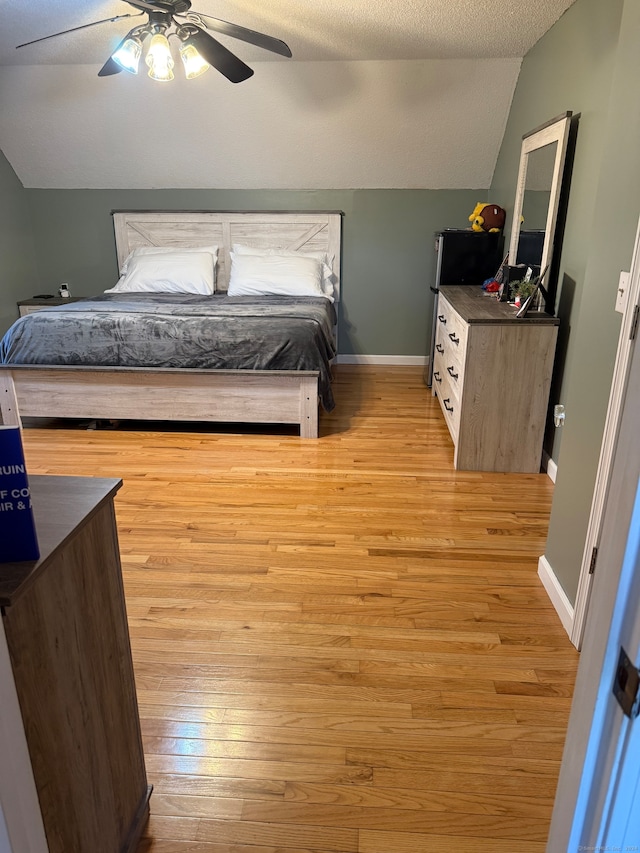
327,274
166,250
276,275
173,272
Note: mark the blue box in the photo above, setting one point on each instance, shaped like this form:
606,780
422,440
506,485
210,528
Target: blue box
18,540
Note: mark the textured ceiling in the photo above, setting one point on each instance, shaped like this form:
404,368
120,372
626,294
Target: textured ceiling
380,93
314,29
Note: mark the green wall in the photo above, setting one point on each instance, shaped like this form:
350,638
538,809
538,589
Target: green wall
610,239
587,63
570,68
388,255
18,276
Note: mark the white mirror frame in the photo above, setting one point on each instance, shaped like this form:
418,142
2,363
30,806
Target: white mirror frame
556,130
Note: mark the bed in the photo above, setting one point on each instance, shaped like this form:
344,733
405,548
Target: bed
271,384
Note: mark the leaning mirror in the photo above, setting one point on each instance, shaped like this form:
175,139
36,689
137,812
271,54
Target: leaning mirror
535,209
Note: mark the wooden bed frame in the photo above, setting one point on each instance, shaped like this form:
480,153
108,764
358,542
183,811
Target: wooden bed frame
170,394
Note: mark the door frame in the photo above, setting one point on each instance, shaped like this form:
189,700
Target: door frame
594,746
607,450
21,823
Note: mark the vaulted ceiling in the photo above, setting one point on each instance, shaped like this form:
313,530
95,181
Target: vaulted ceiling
408,93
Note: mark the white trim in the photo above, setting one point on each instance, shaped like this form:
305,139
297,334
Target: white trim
609,442
18,795
558,596
420,360
595,739
549,466
5,841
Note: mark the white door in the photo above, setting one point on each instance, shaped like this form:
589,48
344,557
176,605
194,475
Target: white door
617,826
622,827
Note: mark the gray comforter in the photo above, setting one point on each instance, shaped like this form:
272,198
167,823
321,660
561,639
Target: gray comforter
175,330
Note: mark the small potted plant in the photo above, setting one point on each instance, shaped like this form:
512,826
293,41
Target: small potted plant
521,290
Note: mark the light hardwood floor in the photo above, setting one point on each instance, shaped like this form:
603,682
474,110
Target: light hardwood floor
342,645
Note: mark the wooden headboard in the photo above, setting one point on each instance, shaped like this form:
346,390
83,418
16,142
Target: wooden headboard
296,231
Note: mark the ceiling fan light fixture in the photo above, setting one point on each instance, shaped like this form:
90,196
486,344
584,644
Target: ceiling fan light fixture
159,58
199,49
128,55
194,63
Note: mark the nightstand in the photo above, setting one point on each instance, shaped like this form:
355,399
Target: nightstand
28,306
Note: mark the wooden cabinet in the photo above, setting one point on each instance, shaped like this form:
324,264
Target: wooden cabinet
28,306
492,376
65,623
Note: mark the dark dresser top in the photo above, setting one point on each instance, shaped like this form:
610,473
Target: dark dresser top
475,306
61,505
53,300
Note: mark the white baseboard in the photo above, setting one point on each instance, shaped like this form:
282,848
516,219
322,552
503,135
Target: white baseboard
558,597
549,466
383,359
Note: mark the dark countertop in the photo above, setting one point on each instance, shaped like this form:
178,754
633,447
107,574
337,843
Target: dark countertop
60,506
476,306
53,300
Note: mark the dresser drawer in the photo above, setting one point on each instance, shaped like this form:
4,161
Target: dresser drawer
451,366
448,394
453,363
29,309
451,344
452,329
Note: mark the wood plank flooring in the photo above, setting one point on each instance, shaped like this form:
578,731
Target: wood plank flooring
342,645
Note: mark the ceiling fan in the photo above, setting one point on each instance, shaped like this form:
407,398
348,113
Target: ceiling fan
198,49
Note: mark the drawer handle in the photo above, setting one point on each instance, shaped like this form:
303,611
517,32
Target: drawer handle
452,335
442,319
437,376
451,373
440,348
448,408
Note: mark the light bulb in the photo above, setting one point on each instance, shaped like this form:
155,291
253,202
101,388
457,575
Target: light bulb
159,58
127,55
194,64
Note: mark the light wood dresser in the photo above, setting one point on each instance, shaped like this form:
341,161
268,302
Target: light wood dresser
65,623
492,376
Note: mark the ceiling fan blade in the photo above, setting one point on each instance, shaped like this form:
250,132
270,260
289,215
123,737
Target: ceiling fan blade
75,29
219,57
110,67
237,32
150,7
